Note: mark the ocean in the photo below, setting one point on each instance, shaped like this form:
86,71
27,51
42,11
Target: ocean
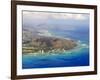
72,58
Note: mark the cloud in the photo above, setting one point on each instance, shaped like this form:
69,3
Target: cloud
80,17
36,15
69,16
47,15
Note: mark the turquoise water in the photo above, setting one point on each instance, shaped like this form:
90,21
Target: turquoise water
76,57
80,58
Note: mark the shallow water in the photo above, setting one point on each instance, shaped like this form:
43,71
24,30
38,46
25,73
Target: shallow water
76,57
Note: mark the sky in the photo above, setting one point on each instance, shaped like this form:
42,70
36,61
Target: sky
70,20
47,15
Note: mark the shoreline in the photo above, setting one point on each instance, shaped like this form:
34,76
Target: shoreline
46,35
76,49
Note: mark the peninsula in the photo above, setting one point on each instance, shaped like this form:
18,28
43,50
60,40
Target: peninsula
46,44
40,40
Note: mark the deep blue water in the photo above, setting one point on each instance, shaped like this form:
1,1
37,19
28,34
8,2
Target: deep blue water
77,57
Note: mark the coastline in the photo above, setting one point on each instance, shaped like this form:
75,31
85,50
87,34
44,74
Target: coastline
48,34
77,49
78,56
